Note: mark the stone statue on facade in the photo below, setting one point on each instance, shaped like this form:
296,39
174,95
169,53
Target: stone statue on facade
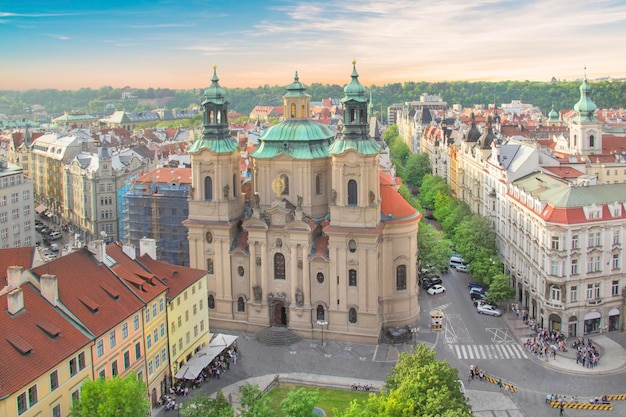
299,298
258,293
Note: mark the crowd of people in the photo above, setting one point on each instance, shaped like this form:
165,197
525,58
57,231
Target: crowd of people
220,364
546,344
586,354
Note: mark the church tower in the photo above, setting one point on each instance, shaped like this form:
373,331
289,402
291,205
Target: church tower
355,194
585,137
215,201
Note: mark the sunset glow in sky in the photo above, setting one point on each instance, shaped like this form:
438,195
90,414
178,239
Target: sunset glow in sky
70,44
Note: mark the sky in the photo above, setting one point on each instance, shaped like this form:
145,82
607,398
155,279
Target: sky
71,44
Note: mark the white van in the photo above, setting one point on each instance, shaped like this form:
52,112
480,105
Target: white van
456,261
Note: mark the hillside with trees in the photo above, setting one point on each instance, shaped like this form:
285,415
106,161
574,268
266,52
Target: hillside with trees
606,94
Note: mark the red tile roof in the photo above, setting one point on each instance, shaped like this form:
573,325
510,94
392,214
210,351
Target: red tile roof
23,256
393,205
33,329
84,285
142,282
564,171
178,278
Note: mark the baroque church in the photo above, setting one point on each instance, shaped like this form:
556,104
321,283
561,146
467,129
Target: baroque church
324,246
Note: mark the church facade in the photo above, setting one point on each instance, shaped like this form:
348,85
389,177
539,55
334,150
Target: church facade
325,243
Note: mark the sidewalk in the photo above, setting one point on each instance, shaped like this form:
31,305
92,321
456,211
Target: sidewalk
612,352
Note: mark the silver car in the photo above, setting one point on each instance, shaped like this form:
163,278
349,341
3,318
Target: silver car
488,309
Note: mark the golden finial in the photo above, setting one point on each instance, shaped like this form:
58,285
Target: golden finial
353,61
214,66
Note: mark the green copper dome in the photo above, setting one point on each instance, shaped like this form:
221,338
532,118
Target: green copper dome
214,93
585,107
553,116
296,88
354,90
300,139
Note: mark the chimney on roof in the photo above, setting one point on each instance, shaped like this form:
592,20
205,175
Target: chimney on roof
14,276
130,251
15,301
98,249
148,246
50,288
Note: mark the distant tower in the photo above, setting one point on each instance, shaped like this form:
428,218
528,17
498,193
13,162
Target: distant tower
585,130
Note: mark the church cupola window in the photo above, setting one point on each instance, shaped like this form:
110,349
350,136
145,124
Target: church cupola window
319,185
591,141
401,278
208,188
293,110
352,315
352,278
352,193
241,306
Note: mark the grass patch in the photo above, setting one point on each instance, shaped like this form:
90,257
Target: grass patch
337,398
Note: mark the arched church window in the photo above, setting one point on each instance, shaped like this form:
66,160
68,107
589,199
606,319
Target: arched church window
319,184
320,312
241,305
234,185
219,117
401,277
279,266
293,110
209,266
208,188
211,302
352,193
592,141
352,278
352,115
303,112
352,315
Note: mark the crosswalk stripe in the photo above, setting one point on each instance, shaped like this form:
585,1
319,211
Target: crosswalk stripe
495,351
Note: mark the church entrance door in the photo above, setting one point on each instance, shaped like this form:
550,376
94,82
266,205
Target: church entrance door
279,315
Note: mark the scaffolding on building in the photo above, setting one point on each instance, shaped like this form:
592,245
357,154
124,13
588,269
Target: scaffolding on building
156,211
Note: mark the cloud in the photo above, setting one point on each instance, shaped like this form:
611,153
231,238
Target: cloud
59,37
163,25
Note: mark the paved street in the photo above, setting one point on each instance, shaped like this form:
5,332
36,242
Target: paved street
491,343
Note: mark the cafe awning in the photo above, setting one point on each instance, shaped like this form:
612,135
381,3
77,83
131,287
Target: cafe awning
205,356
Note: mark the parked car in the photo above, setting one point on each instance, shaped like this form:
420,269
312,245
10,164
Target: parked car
456,260
436,289
477,290
462,267
488,309
429,282
54,247
44,230
477,296
474,284
55,236
482,302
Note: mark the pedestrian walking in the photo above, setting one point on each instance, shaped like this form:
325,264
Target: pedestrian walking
561,409
500,383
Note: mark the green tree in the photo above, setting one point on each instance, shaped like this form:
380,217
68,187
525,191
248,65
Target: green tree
254,403
417,166
434,251
418,385
300,403
473,236
500,290
117,397
202,405
485,266
431,186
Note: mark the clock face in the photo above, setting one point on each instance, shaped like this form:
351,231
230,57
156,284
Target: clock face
209,237
278,185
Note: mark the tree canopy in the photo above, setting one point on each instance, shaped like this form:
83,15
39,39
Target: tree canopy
117,397
418,385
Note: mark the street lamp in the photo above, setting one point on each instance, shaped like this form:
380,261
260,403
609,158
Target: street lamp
322,323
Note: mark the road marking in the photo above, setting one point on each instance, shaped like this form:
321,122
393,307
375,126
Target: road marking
496,351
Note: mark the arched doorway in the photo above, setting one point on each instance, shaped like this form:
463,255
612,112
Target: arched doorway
278,314
572,326
555,322
154,398
592,322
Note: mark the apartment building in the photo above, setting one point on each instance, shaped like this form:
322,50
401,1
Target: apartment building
17,207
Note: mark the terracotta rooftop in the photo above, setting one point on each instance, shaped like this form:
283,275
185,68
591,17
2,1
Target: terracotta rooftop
34,340
178,278
143,282
23,256
393,205
85,287
167,176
